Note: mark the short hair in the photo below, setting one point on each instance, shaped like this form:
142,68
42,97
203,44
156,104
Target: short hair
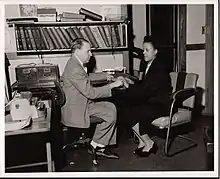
152,40
77,44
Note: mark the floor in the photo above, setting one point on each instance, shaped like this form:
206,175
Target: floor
194,159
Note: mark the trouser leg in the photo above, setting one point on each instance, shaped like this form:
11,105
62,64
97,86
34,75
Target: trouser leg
105,132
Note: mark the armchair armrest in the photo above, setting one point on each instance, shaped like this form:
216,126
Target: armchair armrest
183,94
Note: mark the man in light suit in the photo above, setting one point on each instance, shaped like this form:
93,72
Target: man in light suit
79,99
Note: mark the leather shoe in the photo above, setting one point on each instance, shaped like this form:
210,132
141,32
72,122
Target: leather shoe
107,153
138,150
146,154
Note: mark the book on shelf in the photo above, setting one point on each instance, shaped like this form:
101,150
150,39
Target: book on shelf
62,38
91,36
71,33
18,38
46,14
73,15
117,34
53,37
113,34
103,34
77,31
90,15
98,36
66,35
22,19
85,35
41,39
46,38
124,32
36,38
58,37
63,19
31,38
28,40
24,44
108,34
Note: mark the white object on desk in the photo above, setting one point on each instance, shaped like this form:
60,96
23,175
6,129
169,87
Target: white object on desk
11,125
20,109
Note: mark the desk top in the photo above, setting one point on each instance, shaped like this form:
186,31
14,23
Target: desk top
117,74
37,126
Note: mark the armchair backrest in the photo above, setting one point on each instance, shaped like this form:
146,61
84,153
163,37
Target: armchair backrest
182,80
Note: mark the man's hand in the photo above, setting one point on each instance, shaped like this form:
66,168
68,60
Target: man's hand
129,81
116,84
125,83
110,77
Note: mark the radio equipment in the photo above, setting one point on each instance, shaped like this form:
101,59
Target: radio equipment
37,75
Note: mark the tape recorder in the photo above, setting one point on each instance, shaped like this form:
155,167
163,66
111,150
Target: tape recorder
37,74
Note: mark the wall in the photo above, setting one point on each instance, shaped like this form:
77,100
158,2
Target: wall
195,59
139,28
103,60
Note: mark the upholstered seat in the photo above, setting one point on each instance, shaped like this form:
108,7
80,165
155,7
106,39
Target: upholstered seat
180,117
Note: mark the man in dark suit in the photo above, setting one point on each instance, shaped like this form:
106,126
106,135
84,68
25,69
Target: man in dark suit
145,100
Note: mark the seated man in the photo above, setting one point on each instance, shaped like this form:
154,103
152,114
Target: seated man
80,94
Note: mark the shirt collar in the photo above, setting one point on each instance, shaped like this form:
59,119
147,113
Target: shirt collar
149,63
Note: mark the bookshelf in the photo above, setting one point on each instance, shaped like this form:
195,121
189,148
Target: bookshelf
55,37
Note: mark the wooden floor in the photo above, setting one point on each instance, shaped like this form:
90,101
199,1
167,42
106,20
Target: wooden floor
195,159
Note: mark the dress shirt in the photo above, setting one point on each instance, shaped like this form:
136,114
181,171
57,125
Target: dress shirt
85,68
148,66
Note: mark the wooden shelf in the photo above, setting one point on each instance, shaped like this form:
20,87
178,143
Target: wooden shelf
102,35
80,23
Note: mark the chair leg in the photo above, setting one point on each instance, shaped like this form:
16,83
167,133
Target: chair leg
167,146
94,156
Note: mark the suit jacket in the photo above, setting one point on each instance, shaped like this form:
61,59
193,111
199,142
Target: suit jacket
155,88
79,92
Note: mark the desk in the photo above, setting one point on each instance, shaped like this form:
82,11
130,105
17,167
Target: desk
38,126
117,74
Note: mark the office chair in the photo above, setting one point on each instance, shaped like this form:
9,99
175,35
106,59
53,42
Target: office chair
183,97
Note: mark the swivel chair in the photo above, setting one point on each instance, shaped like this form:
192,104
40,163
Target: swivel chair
80,140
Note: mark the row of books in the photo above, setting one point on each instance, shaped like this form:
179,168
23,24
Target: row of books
50,38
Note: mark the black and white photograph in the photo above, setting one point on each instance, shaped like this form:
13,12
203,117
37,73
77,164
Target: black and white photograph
110,89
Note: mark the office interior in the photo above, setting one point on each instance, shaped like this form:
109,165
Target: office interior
188,33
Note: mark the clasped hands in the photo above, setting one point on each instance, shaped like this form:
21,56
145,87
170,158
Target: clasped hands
119,81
